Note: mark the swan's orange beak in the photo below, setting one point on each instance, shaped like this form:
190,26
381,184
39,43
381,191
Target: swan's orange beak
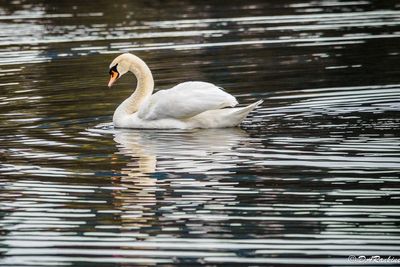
113,78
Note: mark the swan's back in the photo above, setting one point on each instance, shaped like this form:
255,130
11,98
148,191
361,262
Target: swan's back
185,100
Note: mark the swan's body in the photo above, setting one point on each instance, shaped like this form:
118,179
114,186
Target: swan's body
187,105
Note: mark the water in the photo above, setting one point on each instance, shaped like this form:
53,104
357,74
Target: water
309,179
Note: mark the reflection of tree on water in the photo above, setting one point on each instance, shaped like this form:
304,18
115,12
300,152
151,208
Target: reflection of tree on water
157,180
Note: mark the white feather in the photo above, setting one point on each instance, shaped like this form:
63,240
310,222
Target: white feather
185,100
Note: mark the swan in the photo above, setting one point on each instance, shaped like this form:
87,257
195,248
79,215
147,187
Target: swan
187,105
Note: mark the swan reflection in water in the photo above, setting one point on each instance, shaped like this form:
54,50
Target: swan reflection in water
196,151
169,171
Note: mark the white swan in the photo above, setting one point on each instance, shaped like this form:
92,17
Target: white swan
187,105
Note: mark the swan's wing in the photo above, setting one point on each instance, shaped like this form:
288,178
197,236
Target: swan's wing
185,100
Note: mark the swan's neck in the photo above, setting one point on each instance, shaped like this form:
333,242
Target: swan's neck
144,88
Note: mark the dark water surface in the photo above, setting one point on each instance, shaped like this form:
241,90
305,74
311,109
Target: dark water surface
311,178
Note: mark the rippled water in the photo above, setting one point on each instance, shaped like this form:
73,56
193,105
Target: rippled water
309,179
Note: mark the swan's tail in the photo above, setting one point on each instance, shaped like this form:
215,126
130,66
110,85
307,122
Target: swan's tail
220,118
239,114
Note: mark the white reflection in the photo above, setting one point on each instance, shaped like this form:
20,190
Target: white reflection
160,162
194,151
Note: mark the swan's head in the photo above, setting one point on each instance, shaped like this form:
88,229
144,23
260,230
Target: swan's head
118,67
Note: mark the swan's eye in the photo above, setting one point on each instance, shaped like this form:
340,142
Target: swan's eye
114,72
114,75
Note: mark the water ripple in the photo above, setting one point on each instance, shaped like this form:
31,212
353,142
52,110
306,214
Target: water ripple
310,178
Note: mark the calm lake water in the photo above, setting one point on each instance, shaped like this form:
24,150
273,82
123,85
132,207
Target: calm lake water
309,179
